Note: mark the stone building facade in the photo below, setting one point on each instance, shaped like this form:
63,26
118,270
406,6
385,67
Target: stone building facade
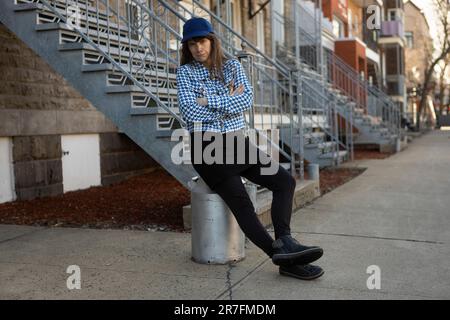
37,108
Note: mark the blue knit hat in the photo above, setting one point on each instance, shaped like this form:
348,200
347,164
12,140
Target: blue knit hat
196,27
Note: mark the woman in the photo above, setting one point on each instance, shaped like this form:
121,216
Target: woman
213,92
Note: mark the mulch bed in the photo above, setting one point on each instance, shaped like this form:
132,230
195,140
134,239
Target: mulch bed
369,154
331,178
152,201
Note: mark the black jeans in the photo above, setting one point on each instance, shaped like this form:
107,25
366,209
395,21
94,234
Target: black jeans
282,185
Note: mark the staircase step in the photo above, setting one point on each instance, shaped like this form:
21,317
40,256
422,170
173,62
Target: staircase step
27,7
286,165
151,111
315,134
141,103
311,146
69,36
93,13
134,70
327,144
316,109
60,7
332,155
149,77
134,88
114,52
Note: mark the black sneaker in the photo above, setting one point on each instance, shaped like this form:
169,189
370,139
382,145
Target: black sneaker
306,272
287,251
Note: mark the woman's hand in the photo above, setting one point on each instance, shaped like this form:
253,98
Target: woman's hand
238,91
202,101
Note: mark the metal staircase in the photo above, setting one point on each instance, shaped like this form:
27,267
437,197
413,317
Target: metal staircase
109,60
319,105
276,86
376,117
372,114
122,56
275,107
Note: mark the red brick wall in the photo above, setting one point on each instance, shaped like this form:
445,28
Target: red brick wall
336,7
352,52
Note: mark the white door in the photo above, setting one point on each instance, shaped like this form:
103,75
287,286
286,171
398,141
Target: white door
80,161
6,171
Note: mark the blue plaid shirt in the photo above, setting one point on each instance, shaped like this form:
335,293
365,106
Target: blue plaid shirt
224,112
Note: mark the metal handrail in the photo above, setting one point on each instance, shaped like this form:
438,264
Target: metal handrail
272,85
255,65
375,91
359,85
315,96
332,114
107,54
311,43
278,65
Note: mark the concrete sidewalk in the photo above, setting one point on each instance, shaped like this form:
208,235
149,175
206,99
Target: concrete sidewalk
396,215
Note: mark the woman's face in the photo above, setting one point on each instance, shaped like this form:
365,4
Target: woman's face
200,49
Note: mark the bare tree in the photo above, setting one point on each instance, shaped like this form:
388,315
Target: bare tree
442,84
443,14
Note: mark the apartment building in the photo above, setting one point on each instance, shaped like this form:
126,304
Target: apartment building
418,52
392,45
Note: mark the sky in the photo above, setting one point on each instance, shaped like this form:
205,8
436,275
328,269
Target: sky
430,14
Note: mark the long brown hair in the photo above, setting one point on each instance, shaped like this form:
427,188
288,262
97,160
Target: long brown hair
217,56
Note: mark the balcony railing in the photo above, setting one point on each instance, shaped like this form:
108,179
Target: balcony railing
392,29
396,85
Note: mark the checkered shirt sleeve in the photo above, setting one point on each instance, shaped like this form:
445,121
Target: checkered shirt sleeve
187,101
227,104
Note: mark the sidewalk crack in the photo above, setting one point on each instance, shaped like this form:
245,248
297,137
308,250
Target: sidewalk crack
230,287
369,237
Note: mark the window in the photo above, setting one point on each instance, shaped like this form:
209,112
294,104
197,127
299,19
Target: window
350,23
236,10
392,88
338,27
278,23
394,15
409,39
